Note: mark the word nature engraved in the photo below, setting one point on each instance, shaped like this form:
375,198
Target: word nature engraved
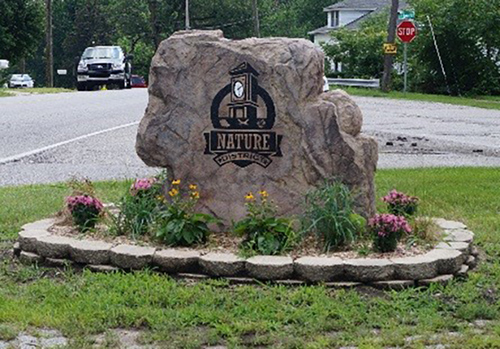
243,136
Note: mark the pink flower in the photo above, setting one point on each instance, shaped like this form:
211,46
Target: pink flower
141,184
84,200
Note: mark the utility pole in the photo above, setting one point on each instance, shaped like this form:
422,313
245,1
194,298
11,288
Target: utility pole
256,25
391,38
49,53
187,15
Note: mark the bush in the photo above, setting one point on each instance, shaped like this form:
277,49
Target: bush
263,232
401,204
85,211
330,215
139,206
387,229
178,224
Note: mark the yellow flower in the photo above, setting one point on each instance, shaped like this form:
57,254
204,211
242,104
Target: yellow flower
249,196
263,193
160,197
173,192
176,182
195,195
193,187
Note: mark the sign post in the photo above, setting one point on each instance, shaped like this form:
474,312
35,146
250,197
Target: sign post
406,32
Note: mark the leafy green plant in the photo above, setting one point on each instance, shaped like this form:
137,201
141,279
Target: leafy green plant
424,231
330,215
263,232
178,224
139,206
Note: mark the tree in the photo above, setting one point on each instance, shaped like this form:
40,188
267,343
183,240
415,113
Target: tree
21,28
360,52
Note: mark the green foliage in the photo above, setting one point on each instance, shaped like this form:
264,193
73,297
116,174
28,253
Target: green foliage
21,28
464,34
263,232
139,207
178,224
329,213
360,51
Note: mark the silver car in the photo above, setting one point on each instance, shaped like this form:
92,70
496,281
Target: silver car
21,80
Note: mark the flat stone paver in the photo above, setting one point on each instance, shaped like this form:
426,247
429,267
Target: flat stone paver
369,269
53,246
131,256
270,267
316,269
416,268
90,252
222,264
176,261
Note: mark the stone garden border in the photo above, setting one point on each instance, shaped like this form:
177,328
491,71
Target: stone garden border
450,258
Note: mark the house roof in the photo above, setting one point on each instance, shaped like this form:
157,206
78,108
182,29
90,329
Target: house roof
358,5
373,6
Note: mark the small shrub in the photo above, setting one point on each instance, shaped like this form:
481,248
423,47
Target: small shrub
263,232
424,231
387,229
138,207
330,214
401,204
85,211
178,224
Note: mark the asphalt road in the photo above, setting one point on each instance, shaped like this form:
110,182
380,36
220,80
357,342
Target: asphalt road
49,138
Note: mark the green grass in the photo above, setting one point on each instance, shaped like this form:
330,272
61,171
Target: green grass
177,314
487,102
5,92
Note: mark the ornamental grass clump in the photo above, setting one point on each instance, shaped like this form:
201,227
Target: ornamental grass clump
263,232
85,211
178,224
329,213
387,229
139,206
401,204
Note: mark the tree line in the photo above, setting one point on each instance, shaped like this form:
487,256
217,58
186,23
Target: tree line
138,26
465,33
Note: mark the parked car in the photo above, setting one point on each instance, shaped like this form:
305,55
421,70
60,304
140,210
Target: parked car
103,65
138,81
21,80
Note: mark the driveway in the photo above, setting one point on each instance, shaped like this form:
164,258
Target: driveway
49,138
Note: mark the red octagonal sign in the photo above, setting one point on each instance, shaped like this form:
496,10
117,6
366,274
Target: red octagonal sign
406,31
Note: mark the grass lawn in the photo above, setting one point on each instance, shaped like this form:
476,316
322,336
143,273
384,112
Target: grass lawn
487,102
4,92
177,314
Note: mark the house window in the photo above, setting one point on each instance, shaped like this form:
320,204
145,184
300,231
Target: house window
334,18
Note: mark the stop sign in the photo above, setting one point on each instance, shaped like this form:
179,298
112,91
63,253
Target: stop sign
406,31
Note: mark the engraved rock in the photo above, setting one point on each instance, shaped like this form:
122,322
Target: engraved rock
238,116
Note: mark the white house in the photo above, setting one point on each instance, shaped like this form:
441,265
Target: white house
349,14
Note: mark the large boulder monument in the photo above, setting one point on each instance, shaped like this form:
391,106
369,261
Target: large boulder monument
235,116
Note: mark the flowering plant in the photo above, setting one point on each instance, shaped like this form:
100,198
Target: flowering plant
178,224
264,232
142,185
401,204
140,205
85,211
387,229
